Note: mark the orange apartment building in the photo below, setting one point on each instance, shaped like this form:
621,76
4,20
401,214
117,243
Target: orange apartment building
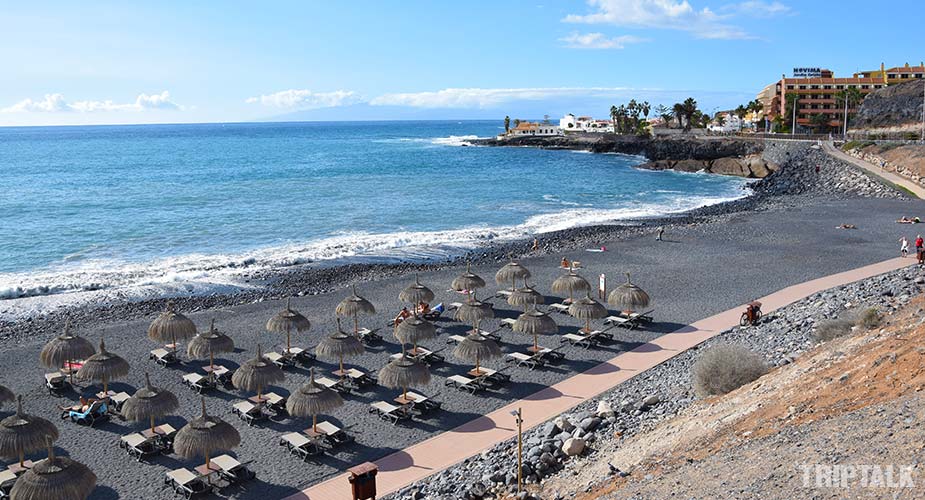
817,88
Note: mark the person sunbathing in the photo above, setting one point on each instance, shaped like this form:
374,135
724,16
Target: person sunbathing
423,307
565,263
402,315
846,226
905,220
80,408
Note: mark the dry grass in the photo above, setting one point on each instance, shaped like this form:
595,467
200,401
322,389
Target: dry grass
724,368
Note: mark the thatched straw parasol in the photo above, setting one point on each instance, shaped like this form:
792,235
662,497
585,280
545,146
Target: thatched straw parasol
525,296
587,309
510,273
474,311
354,305
65,348
256,374
6,394
416,293
205,345
475,348
103,367
311,399
339,346
287,320
22,433
55,478
570,282
535,322
149,403
205,435
171,326
415,329
468,282
403,373
628,297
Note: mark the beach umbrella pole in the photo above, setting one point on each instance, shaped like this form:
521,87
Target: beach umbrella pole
152,423
314,422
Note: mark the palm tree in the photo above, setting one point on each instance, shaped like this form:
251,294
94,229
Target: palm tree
507,124
690,108
852,96
516,122
645,107
665,113
613,117
720,119
678,110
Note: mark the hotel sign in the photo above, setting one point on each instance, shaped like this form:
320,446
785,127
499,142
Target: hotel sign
807,72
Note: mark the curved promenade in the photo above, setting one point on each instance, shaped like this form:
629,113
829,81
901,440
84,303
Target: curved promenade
906,184
428,457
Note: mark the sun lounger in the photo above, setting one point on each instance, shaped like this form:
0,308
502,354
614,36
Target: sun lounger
618,321
531,361
248,412
139,446
199,383
434,313
299,355
389,412
592,339
339,385
117,400
7,480
455,339
333,435
97,411
186,483
359,379
300,445
454,306
503,293
422,404
559,308
508,322
56,383
164,357
464,383
232,470
368,336
279,359
276,404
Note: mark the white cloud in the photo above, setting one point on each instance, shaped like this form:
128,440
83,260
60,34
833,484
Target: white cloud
55,103
660,14
306,99
599,41
757,8
484,98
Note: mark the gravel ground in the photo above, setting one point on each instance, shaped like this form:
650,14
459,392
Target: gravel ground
713,259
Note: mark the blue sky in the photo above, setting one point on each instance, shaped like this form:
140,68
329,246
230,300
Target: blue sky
112,62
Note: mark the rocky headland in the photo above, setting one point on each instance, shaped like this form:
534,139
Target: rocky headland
722,156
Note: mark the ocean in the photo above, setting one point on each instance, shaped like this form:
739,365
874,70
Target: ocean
133,212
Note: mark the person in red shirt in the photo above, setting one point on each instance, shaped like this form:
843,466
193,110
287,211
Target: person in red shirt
919,251
919,242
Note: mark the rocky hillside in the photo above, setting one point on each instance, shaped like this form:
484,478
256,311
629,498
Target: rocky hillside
895,108
907,160
849,402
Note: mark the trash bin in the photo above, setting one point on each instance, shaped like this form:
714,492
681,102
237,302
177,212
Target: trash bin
363,481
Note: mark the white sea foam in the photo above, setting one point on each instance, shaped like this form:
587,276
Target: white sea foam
84,281
455,140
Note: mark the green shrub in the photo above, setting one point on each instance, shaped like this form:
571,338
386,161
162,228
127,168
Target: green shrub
726,367
831,329
869,319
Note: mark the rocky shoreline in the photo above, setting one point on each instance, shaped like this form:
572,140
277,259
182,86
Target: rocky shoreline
722,156
584,436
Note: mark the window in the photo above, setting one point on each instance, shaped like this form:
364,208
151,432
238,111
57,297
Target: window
802,87
904,75
789,87
865,86
827,87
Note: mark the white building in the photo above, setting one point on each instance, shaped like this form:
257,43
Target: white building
731,123
572,123
532,128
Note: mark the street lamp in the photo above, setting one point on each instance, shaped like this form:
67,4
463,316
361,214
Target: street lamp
518,414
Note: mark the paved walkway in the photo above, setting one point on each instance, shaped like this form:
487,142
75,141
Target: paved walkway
428,457
834,152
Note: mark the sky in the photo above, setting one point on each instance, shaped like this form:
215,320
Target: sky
66,63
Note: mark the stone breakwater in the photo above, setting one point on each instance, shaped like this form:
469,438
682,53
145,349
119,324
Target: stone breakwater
584,436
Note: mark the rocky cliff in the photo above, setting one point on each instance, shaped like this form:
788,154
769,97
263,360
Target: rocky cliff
720,156
894,108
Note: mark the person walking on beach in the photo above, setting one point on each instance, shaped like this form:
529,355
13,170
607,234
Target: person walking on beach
659,232
919,243
536,244
903,247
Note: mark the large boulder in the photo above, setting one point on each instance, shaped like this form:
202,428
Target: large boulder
573,446
730,166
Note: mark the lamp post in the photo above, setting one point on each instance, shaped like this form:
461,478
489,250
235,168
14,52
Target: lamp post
518,414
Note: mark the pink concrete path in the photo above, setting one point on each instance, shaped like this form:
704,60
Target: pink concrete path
430,456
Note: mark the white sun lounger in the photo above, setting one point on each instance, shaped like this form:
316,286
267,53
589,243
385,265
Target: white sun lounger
300,445
559,308
464,383
390,412
508,322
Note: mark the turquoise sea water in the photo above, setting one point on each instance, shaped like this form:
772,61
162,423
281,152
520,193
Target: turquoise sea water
141,210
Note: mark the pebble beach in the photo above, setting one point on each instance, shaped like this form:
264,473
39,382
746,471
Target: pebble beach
712,259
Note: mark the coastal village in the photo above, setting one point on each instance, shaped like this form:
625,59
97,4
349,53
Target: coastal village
813,98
